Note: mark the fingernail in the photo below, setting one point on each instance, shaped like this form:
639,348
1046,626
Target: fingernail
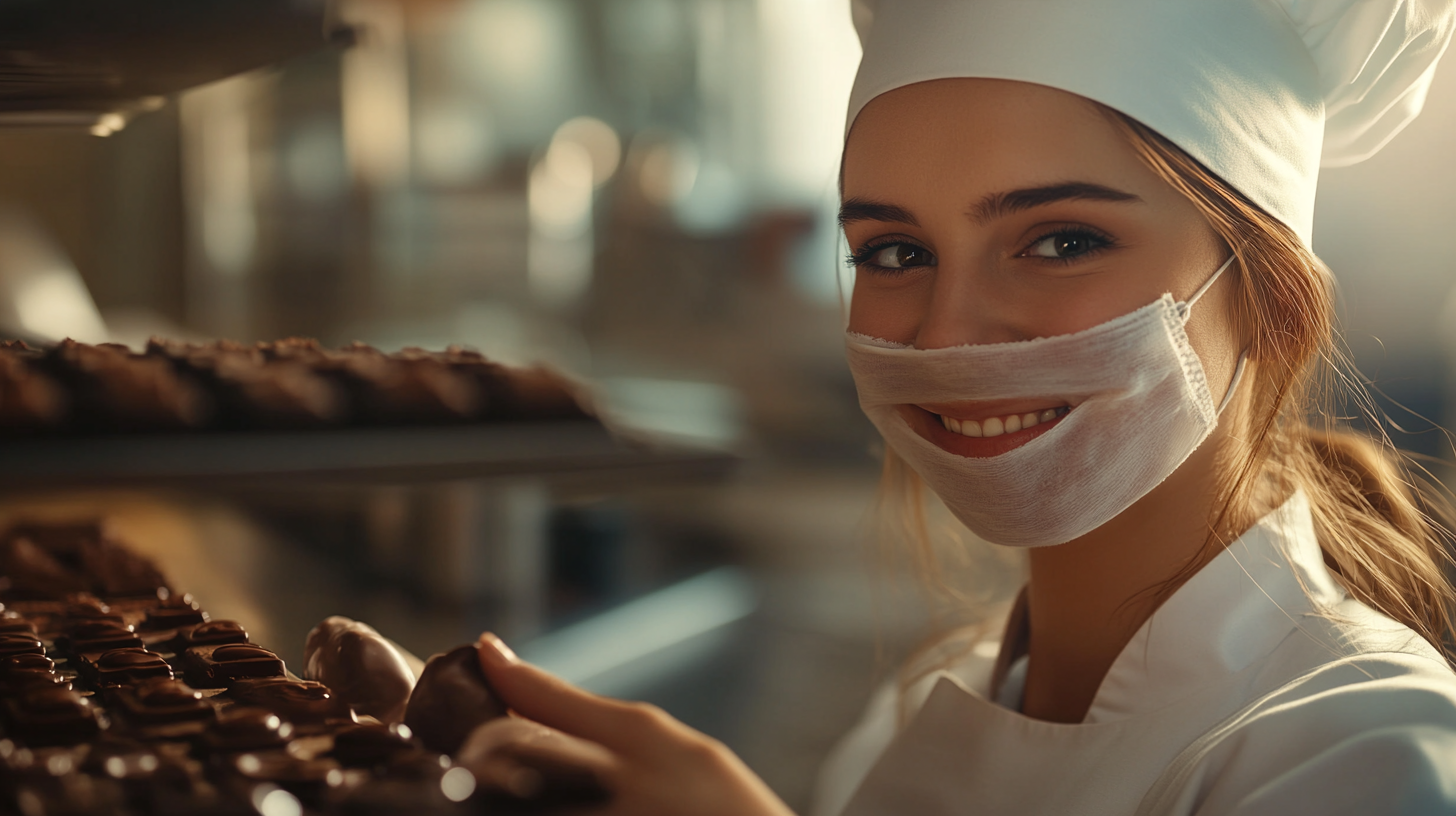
493,646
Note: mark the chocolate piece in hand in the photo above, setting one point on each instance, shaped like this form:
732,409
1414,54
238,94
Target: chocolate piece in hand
363,668
450,700
216,666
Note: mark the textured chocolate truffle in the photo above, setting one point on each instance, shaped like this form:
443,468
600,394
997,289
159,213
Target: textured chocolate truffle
362,667
450,700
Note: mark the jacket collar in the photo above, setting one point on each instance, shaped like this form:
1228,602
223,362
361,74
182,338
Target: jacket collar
1232,612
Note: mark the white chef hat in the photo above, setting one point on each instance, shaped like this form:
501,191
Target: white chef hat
1262,92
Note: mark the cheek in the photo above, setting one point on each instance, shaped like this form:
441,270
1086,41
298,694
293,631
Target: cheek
888,311
1214,335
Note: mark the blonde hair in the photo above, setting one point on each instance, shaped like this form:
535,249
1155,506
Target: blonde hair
1376,512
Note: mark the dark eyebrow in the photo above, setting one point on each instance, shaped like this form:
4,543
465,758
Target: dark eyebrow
863,209
991,206
997,205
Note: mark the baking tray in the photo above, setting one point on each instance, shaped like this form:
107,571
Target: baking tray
575,451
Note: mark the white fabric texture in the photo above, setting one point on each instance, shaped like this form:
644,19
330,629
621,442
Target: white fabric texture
1262,92
1257,688
1140,406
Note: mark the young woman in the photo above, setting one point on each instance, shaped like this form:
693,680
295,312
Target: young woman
1086,315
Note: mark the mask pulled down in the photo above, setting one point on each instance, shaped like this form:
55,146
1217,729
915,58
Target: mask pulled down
1140,406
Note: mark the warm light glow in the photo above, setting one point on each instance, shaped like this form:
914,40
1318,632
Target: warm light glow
376,94
600,142
560,195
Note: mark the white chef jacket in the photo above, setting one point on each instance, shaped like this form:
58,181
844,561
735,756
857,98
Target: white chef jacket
1258,687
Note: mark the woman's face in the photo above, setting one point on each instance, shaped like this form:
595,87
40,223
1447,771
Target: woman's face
988,211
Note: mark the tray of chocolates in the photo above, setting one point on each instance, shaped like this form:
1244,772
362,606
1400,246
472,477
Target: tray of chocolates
119,695
75,413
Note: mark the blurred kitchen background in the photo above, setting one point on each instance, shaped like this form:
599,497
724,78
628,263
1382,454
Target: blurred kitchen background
640,193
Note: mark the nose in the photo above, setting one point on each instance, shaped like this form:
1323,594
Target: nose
964,310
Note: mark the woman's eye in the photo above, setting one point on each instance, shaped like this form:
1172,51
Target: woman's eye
897,256
1066,245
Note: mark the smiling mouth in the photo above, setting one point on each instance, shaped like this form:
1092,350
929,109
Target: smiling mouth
997,426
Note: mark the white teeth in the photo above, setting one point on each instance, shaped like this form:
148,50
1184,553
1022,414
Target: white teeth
996,426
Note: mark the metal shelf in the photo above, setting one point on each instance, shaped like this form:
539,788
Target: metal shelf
556,451
93,62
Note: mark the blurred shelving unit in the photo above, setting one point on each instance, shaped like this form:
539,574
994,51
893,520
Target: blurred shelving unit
95,65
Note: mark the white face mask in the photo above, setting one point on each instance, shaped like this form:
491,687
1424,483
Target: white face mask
1140,406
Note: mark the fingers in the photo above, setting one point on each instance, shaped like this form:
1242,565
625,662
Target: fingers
538,695
531,762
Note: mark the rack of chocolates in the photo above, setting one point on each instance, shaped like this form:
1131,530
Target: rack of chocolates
224,413
78,388
118,696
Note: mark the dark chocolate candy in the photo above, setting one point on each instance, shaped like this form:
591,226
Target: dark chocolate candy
212,633
52,716
369,744
98,636
26,662
24,681
174,612
160,701
17,643
27,672
301,703
361,666
12,622
85,608
310,780
450,700
121,759
114,570
31,572
216,666
124,666
246,728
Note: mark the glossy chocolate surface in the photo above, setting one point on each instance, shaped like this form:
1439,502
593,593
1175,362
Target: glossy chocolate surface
51,716
98,636
369,744
159,701
92,722
15,643
212,633
450,700
246,729
118,666
301,703
216,666
362,667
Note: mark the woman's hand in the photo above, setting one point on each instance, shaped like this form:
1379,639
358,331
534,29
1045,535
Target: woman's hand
649,763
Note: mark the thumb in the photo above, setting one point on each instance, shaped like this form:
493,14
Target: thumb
539,695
